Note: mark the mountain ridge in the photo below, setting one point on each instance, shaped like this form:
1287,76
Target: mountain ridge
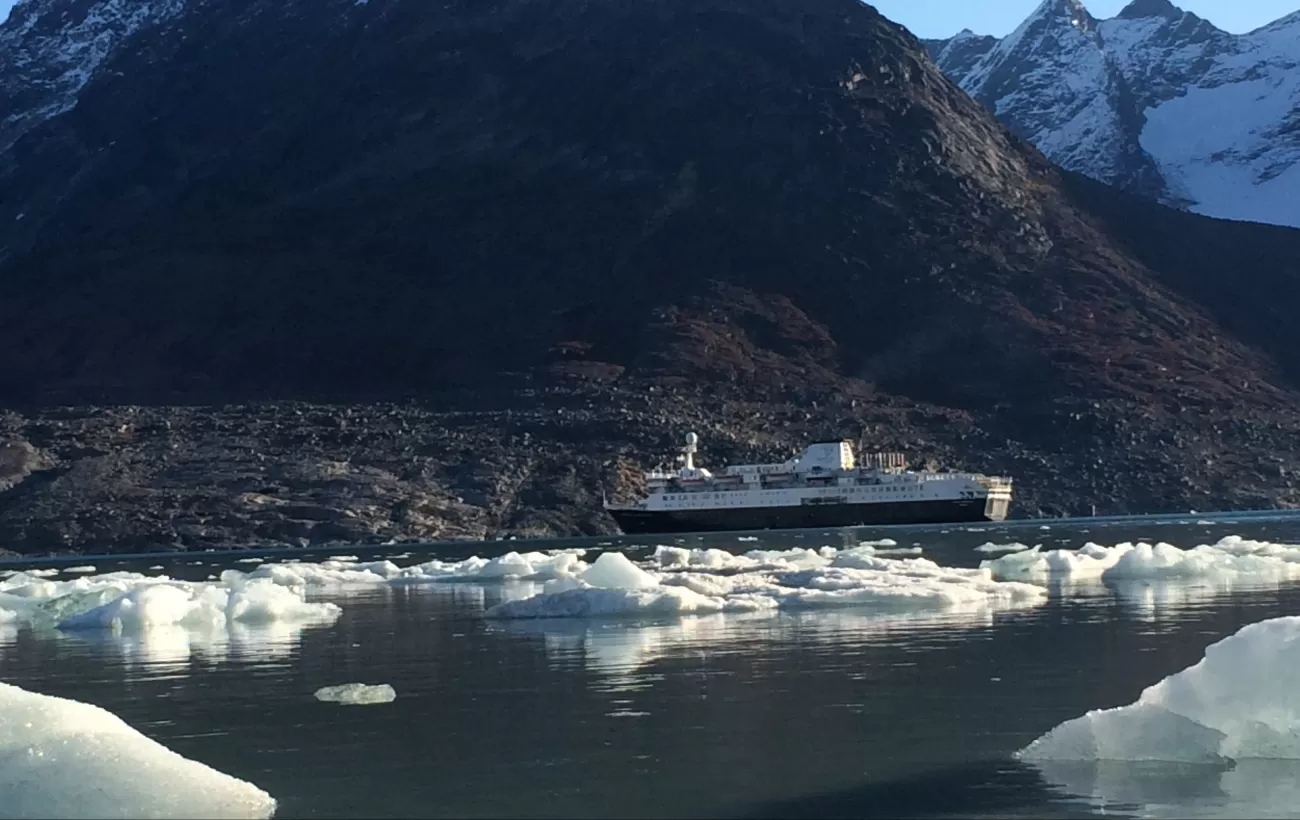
1128,101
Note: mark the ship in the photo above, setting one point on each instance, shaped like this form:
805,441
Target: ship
823,486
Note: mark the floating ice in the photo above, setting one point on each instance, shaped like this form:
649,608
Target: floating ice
253,602
357,694
1231,558
64,758
80,570
1239,702
709,581
989,546
128,603
613,570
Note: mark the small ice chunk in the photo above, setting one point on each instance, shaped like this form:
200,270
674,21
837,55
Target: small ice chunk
65,758
88,568
990,547
613,570
357,694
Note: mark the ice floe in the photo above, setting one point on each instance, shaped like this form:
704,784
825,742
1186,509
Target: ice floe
1231,558
357,694
681,581
990,547
65,758
126,601
237,599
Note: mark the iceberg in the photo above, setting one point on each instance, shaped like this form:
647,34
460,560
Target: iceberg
1240,702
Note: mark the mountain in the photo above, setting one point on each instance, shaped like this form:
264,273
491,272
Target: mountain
1156,100
240,241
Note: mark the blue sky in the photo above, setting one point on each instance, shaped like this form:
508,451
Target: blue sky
943,18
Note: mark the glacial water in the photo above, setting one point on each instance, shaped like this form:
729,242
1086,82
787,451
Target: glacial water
851,682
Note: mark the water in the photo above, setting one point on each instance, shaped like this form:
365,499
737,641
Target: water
849,713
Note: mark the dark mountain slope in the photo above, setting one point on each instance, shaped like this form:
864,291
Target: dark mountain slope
763,208
393,196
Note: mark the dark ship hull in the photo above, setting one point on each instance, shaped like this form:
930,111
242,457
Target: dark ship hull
958,511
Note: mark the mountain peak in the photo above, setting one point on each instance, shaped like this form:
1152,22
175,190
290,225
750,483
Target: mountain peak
1072,11
1151,8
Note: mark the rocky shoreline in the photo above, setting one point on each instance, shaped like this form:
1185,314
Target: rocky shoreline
535,462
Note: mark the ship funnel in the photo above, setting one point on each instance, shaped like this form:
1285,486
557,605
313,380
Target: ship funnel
688,452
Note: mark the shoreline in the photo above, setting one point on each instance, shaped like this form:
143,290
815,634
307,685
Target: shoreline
538,544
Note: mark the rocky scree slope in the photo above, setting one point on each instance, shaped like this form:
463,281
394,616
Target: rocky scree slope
747,213
1155,100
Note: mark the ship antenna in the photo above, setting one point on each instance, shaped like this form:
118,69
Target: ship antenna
688,452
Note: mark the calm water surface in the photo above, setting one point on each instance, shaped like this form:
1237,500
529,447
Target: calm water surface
849,713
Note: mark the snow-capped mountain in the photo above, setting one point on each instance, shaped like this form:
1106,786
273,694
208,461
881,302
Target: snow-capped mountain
1155,100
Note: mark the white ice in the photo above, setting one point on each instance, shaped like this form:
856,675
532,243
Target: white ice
64,758
131,600
681,581
1239,702
357,694
249,601
990,547
1232,558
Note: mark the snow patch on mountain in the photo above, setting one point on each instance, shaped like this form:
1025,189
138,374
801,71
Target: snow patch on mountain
49,50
